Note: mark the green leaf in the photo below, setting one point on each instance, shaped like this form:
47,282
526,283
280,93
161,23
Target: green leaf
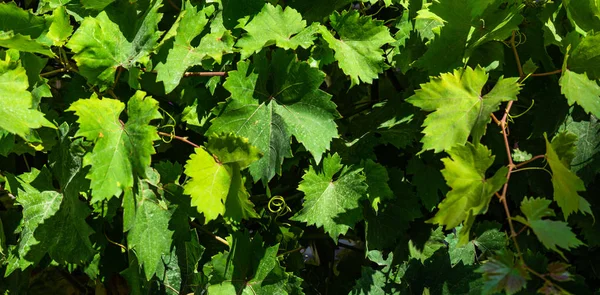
274,25
521,156
216,186
585,57
458,107
333,204
358,49
471,192
101,47
377,180
583,14
24,31
248,268
295,106
552,234
60,30
578,88
122,150
181,53
478,23
588,141
428,180
565,182
150,237
460,253
16,114
504,273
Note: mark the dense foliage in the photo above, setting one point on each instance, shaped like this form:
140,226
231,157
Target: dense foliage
299,147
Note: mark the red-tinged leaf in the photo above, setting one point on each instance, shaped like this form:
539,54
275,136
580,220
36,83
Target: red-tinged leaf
504,273
558,271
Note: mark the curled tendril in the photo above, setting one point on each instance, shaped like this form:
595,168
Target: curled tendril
172,126
521,40
278,206
523,113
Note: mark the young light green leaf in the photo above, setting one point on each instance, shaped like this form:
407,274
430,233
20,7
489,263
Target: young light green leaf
216,186
458,107
274,25
471,192
521,156
122,150
295,106
358,49
578,88
16,114
209,184
60,30
552,234
565,182
101,48
332,204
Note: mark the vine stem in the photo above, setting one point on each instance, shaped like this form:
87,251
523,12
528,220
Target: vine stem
529,161
184,139
543,277
194,74
547,74
50,73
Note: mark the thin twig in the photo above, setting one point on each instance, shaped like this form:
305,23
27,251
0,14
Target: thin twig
290,252
545,279
204,74
495,119
184,139
529,161
173,5
547,73
46,74
223,241
516,54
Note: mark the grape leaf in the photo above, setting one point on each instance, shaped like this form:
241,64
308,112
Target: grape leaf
296,106
23,30
16,114
583,14
377,180
521,156
578,88
588,141
471,192
101,47
248,268
216,187
40,202
122,150
460,253
458,107
565,182
332,204
60,29
317,10
585,57
274,25
358,49
552,234
181,54
469,22
504,273
150,236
